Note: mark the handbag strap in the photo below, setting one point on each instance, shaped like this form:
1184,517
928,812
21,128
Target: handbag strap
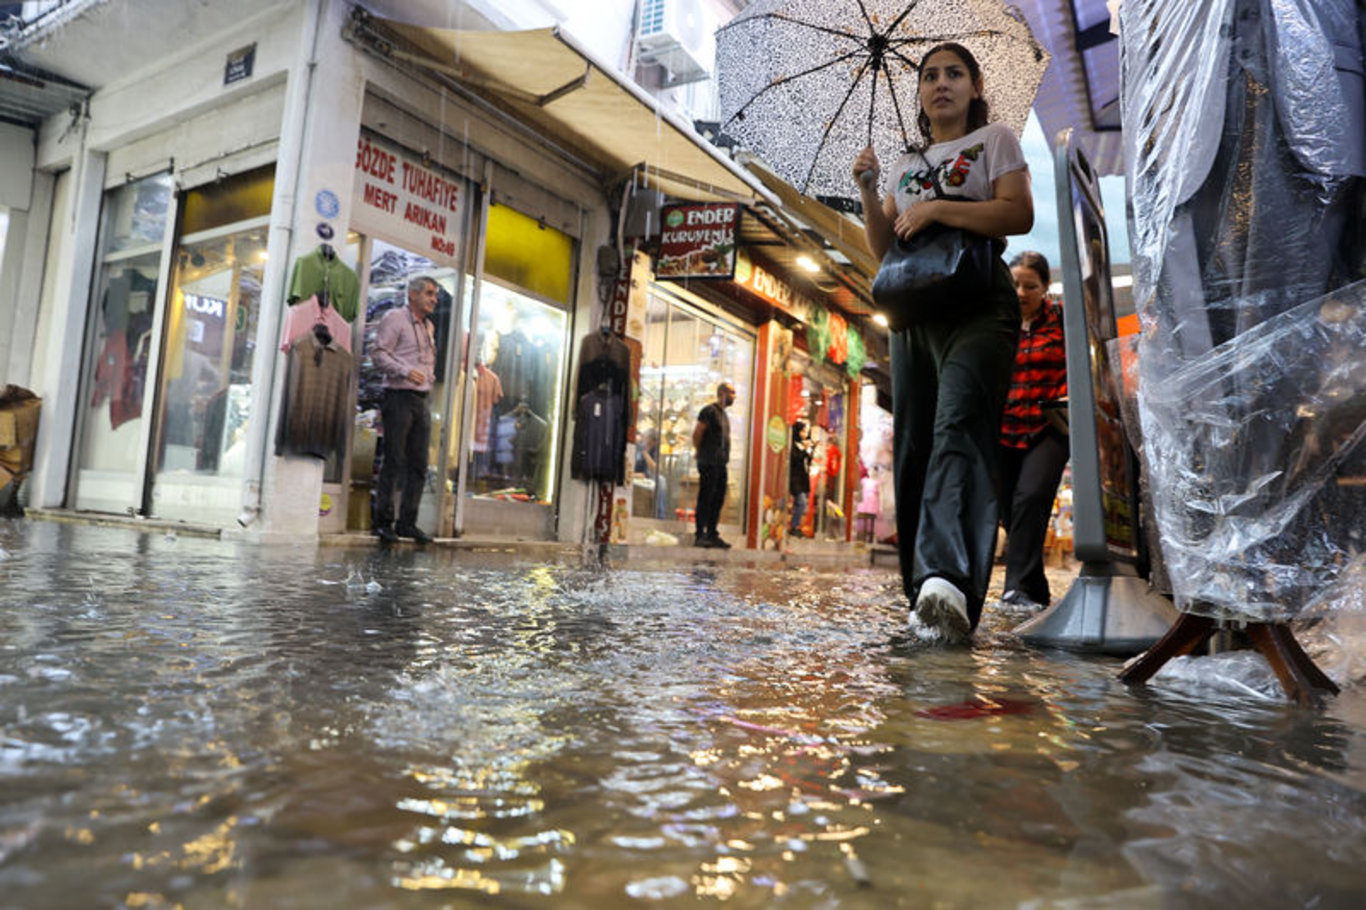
998,246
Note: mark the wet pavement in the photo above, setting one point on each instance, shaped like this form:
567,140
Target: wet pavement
202,723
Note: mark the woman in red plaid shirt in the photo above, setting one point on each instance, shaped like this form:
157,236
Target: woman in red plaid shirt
1033,452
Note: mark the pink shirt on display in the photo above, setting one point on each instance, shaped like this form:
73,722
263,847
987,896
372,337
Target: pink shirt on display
305,314
488,388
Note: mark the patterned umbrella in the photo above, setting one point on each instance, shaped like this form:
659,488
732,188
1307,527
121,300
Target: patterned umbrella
806,84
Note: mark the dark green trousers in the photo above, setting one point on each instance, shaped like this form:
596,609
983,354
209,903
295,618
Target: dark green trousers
949,386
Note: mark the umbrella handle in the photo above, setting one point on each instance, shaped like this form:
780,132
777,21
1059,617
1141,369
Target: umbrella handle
867,178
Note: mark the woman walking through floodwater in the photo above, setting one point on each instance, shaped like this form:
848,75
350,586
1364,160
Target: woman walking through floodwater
950,377
1033,451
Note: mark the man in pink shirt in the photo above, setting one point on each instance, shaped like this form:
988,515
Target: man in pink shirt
405,353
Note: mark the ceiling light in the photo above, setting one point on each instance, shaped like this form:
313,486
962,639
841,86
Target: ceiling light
880,319
806,262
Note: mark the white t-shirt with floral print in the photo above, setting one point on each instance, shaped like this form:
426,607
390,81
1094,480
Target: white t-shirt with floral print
966,167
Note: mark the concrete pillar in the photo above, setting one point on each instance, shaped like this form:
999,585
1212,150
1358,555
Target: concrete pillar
59,383
21,280
312,186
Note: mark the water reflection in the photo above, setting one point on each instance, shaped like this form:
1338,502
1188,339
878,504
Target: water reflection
203,723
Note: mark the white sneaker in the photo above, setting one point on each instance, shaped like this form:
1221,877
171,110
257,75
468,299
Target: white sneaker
941,606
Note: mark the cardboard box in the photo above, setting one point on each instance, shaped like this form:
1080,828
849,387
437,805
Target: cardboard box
18,432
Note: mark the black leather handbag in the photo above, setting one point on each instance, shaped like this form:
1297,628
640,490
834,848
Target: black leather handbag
942,274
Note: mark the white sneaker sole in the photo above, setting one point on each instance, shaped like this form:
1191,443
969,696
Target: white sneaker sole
941,606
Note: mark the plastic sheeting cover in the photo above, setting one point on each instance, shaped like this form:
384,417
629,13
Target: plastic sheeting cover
1244,142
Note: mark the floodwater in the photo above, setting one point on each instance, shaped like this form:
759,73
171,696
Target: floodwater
195,723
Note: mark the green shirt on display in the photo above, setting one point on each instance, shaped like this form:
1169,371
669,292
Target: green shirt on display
315,274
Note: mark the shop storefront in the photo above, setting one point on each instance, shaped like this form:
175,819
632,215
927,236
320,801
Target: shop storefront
795,367
815,360
689,349
411,220
875,511
515,384
179,222
505,292
179,374
818,396
166,383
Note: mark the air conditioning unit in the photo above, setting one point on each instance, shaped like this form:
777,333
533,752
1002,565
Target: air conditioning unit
679,35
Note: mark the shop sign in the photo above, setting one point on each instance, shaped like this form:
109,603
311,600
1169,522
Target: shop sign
637,297
777,434
239,65
697,241
759,281
620,305
626,313
396,195
205,306
839,339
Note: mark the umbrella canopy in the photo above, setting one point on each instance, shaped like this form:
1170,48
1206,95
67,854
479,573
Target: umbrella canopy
806,84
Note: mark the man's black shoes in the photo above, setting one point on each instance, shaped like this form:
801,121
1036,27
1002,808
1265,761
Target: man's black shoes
710,542
388,535
416,534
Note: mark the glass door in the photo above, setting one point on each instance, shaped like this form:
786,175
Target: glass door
206,374
519,358
514,377
111,450
824,401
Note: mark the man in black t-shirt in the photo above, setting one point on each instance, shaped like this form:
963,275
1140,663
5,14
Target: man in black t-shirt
711,439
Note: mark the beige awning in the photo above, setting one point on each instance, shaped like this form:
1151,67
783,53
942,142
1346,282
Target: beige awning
544,79
840,231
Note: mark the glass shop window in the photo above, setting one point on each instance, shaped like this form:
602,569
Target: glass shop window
687,354
211,327
518,346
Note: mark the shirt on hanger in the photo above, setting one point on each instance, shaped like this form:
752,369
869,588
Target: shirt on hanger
304,315
315,273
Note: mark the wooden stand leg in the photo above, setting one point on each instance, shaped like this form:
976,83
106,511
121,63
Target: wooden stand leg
1183,637
1302,680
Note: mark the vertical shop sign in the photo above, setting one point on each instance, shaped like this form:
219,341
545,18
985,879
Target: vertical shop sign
636,299
617,309
626,312
395,194
698,241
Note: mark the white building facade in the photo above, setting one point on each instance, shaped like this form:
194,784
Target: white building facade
161,224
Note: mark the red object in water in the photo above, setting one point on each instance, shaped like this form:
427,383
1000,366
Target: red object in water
976,707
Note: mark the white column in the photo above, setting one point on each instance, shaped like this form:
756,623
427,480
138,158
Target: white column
61,378
21,281
317,156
